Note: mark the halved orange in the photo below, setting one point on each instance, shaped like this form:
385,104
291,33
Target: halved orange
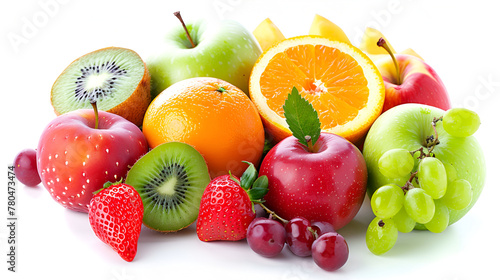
339,80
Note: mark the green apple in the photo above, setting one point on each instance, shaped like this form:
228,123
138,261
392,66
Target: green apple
222,49
407,126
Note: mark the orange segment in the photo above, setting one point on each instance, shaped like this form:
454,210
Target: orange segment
340,81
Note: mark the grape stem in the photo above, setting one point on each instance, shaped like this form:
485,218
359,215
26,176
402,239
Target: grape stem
408,185
284,221
430,142
272,213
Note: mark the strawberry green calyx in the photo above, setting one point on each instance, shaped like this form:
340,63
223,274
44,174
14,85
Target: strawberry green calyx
249,176
107,185
256,187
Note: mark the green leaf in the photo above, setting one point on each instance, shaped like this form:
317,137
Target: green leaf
302,118
259,189
234,178
248,176
107,185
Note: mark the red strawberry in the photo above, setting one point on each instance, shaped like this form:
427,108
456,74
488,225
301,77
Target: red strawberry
115,215
226,207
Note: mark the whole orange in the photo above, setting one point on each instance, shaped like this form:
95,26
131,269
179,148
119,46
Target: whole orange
215,117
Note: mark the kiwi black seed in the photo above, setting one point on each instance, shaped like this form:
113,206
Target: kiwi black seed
170,179
116,78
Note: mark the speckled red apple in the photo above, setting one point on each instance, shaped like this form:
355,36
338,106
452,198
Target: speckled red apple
75,159
328,184
416,82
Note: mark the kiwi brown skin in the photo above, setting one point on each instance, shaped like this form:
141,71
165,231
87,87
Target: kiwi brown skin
135,106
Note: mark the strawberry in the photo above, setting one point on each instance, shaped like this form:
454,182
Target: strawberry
227,208
115,215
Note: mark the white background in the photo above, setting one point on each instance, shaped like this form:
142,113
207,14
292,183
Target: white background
460,41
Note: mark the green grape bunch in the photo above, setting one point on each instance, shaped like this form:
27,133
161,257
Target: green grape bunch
433,187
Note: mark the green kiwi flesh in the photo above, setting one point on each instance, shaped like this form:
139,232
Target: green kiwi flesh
111,76
170,179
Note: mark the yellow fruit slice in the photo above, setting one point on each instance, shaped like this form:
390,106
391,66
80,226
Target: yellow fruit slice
369,42
267,34
340,81
323,27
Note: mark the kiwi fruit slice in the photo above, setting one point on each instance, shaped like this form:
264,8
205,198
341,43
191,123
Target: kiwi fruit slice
170,179
116,78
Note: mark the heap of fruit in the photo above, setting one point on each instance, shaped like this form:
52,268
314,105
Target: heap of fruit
222,120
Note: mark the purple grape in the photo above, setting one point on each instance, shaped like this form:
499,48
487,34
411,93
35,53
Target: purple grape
322,227
299,236
266,237
330,251
25,168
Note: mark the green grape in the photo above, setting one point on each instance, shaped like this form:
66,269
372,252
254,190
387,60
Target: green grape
459,194
387,200
381,235
396,163
432,177
419,205
451,172
461,122
441,218
404,223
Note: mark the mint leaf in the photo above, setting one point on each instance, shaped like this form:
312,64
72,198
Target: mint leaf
302,118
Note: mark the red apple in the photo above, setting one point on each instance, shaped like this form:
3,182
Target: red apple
408,79
75,159
328,184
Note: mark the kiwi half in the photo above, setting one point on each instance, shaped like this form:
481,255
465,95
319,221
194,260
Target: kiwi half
170,179
116,78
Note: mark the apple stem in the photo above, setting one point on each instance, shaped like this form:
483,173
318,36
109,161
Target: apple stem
310,147
382,43
96,114
178,15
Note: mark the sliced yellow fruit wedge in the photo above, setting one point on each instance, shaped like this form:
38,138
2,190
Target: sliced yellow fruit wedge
325,28
267,34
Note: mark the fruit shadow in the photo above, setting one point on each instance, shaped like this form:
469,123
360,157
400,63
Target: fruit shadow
421,242
34,192
149,235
